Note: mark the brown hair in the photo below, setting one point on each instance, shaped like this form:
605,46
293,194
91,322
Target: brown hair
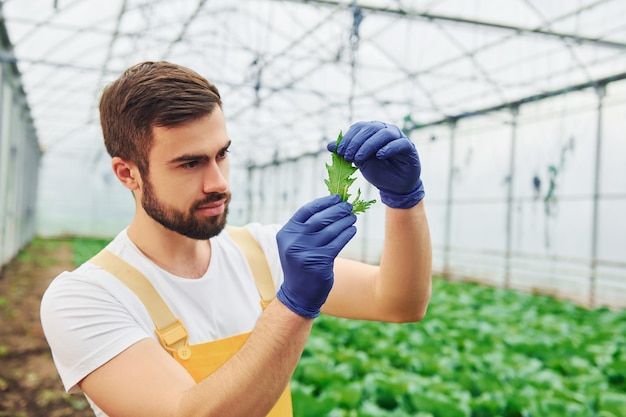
151,94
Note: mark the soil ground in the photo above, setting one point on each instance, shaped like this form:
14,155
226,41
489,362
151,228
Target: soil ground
29,383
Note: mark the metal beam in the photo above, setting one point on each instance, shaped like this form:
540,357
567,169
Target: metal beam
461,20
516,103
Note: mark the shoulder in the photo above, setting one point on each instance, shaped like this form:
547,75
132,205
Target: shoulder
86,290
86,282
88,317
86,323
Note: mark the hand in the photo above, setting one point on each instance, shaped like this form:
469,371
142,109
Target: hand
308,245
387,159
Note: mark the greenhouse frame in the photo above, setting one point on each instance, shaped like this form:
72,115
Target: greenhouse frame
517,109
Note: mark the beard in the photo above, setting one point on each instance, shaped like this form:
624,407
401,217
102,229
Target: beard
183,223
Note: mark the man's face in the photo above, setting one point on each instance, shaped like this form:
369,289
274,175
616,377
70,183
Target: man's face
186,190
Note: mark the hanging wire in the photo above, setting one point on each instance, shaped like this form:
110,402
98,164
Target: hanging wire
357,18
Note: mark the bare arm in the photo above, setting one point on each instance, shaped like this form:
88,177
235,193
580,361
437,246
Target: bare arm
399,289
146,381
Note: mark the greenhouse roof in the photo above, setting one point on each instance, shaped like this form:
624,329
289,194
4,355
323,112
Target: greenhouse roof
293,73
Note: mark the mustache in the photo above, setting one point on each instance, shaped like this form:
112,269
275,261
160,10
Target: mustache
211,198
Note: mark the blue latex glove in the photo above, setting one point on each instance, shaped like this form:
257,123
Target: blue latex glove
387,159
308,245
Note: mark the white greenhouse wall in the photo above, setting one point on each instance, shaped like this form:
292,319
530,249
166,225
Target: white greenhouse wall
80,195
19,166
538,239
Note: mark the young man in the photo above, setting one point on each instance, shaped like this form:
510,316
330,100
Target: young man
222,353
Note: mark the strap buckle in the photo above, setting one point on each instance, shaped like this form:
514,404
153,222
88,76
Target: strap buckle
174,338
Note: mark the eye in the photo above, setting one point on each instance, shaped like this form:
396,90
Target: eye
223,154
190,165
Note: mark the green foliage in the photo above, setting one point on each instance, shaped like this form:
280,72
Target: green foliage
35,252
84,248
479,352
340,179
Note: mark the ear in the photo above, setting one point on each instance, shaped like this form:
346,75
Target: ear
127,172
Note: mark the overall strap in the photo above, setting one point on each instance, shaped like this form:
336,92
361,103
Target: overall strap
257,261
169,329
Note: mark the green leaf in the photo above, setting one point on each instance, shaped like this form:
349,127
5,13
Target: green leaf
439,404
339,174
613,402
344,395
360,206
306,405
340,179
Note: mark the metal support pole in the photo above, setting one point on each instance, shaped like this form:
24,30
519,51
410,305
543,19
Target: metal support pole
448,225
249,196
3,148
601,92
510,199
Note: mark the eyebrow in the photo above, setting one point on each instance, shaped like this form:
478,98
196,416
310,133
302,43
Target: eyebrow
195,157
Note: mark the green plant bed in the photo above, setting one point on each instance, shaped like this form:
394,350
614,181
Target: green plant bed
480,351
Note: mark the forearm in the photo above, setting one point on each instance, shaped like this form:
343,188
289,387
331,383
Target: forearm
404,281
251,382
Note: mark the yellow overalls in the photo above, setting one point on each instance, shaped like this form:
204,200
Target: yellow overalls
203,359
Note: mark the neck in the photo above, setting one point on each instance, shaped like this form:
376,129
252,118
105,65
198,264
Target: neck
173,252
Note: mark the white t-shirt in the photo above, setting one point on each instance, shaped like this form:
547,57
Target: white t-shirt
89,316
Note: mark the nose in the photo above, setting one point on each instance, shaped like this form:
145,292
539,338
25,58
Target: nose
215,178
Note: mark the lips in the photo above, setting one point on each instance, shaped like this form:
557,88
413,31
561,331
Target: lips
212,209
212,204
